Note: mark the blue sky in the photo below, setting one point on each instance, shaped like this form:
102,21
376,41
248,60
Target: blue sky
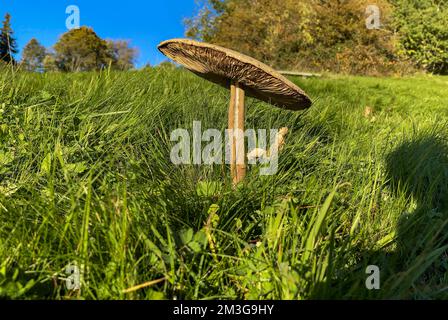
145,22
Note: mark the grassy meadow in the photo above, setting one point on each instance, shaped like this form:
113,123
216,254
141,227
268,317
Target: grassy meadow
86,179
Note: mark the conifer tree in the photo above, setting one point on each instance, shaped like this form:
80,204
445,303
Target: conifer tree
8,44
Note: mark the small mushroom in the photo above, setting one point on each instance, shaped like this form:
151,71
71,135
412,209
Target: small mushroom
244,76
279,144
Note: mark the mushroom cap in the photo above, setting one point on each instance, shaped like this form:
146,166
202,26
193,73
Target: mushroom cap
224,67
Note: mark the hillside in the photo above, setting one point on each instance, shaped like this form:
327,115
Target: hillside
86,179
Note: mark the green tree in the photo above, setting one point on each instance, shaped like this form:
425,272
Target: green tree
123,55
202,26
82,50
423,29
8,44
33,56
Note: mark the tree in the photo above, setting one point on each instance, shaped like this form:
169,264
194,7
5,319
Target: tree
265,29
202,26
423,29
8,44
49,63
123,55
33,56
82,50
301,34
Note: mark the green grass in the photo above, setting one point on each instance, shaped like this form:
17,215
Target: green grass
86,178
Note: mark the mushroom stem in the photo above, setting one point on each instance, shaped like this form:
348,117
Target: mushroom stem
231,132
239,117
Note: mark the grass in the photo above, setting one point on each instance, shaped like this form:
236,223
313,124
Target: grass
86,180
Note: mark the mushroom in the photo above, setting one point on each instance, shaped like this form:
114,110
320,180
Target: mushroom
244,76
259,153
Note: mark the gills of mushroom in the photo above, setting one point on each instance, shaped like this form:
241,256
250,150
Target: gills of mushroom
244,76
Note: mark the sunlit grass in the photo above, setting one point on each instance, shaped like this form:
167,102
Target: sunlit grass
86,178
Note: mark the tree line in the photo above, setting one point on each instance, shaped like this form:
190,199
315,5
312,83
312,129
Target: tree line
330,35
79,49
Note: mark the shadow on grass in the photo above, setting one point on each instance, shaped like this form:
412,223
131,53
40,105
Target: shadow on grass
414,261
418,169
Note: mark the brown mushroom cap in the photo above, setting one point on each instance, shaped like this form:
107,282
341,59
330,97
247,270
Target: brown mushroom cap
224,66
